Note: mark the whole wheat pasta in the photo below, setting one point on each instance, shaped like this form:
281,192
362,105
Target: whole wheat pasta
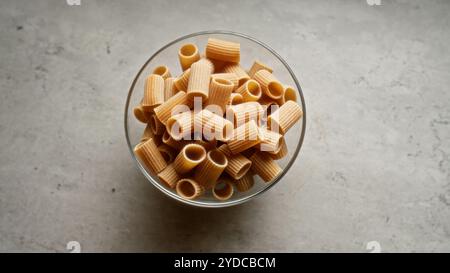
188,54
258,65
219,92
163,71
149,154
285,117
189,189
223,189
180,126
270,141
169,141
153,93
199,80
189,157
265,166
181,83
238,70
244,112
238,165
218,128
169,176
289,94
236,98
250,91
269,84
208,145
157,127
164,111
207,172
244,137
245,183
169,88
140,114
167,152
282,151
227,76
223,50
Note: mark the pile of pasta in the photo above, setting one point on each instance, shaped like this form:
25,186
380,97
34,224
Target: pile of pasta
228,153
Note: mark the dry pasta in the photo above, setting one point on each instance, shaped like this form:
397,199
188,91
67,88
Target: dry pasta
149,154
237,133
169,176
207,173
199,79
188,54
250,91
223,50
258,65
285,117
163,71
270,86
220,92
223,189
238,71
189,189
154,92
227,76
169,88
265,166
238,165
164,111
245,183
244,137
189,157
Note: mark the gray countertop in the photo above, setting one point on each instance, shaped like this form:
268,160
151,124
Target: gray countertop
375,165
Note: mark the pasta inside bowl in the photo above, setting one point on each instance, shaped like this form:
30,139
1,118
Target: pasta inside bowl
167,66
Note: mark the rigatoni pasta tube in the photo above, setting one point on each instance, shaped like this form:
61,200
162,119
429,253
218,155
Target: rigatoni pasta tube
164,111
235,98
153,93
207,144
269,84
282,151
163,71
149,154
189,189
180,126
189,157
265,166
245,183
244,137
244,112
169,88
250,91
167,152
258,65
227,76
169,176
238,165
181,83
157,127
270,141
148,133
238,70
285,117
207,172
140,114
188,54
199,80
218,128
176,144
223,189
219,92
223,50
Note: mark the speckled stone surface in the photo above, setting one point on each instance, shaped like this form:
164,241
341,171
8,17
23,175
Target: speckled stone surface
375,165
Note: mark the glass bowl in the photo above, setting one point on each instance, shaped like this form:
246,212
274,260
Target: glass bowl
251,49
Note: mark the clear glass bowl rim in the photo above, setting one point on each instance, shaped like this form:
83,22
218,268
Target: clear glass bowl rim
226,203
